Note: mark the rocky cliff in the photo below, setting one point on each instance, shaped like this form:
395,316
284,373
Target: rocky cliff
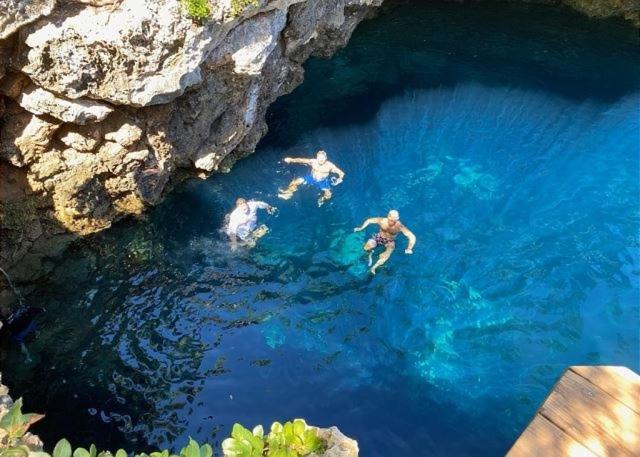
103,103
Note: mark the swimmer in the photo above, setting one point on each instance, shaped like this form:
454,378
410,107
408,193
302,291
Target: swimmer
318,176
390,226
243,220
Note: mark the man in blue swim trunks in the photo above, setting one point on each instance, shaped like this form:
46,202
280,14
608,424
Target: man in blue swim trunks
318,176
390,226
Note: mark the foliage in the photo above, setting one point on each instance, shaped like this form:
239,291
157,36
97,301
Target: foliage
293,439
198,10
238,6
14,425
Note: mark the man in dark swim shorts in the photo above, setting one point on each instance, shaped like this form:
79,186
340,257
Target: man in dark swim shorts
318,176
390,226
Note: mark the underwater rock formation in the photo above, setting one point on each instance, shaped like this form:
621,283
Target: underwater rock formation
103,101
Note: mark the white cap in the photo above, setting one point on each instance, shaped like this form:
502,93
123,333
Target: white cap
393,214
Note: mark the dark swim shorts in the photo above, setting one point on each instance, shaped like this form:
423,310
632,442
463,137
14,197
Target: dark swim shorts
381,240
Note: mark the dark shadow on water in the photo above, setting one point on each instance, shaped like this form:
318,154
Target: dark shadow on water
422,44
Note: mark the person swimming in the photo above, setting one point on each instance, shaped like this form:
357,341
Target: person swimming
318,176
390,226
242,222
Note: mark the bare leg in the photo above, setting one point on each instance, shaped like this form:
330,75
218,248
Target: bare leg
369,246
326,195
383,257
289,191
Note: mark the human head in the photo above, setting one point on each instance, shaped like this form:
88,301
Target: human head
242,203
321,156
393,216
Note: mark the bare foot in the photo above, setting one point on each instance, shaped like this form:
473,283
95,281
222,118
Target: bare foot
373,271
285,195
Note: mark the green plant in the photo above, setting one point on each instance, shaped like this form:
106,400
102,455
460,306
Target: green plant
14,425
198,10
238,6
293,439
244,443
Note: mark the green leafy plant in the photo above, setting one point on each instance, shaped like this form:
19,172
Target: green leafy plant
293,439
198,10
238,6
244,443
15,424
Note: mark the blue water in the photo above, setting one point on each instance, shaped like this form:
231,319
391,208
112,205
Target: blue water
508,138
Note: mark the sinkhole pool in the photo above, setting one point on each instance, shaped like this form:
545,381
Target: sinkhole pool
508,138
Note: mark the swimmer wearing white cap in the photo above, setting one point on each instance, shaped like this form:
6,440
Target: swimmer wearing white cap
390,226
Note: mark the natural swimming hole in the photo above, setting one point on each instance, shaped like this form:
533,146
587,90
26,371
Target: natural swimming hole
506,136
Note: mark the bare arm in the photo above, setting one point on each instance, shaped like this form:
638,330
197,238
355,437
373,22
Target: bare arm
412,239
371,220
339,172
297,160
263,205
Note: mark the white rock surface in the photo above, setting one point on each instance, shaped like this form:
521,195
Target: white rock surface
39,101
17,13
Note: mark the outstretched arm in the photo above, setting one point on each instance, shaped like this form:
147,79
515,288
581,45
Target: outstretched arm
297,160
340,174
412,239
263,205
371,220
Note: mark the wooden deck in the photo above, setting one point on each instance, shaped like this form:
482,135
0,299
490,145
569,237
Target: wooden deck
591,411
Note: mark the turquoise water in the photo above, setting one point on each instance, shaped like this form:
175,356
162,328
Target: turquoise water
506,135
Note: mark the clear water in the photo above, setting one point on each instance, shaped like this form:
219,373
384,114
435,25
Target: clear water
508,138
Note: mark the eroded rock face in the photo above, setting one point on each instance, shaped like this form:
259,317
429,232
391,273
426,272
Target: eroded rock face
16,13
104,100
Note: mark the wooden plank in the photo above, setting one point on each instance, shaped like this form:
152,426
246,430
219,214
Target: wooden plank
619,382
543,438
593,417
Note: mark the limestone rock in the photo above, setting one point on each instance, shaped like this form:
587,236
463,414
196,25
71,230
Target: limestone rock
139,52
84,138
37,100
17,13
251,42
126,135
629,9
338,445
27,136
49,164
109,98
13,84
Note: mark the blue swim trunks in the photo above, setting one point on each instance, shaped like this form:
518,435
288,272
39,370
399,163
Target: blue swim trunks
323,184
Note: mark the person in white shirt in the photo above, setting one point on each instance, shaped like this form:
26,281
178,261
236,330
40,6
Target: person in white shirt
243,220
